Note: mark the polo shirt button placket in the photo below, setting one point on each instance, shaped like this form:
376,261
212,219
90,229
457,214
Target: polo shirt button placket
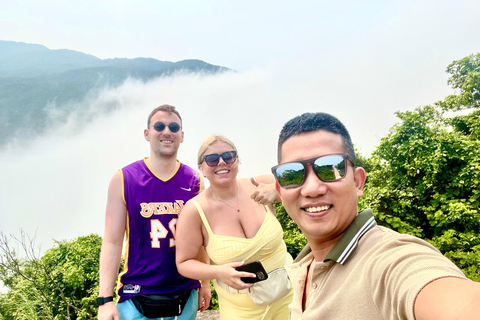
314,286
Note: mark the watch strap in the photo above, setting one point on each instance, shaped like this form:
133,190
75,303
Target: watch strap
103,300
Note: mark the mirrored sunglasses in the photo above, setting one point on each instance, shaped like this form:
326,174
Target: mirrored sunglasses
213,159
160,126
329,168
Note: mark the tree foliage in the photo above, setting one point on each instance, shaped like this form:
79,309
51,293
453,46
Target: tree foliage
62,284
425,176
292,235
465,78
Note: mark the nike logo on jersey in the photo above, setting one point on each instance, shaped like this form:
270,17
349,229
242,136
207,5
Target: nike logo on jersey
186,189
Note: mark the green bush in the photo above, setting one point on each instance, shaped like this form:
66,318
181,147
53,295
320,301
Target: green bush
62,284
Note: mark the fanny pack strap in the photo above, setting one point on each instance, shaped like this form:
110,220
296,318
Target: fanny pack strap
230,289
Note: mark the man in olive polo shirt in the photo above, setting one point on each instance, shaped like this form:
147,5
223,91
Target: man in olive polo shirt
352,268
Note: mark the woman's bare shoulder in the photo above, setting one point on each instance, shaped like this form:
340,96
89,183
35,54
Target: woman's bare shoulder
201,199
245,183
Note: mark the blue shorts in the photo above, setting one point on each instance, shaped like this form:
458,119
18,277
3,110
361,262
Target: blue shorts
128,311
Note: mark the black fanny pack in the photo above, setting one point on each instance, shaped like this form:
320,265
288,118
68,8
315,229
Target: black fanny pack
161,305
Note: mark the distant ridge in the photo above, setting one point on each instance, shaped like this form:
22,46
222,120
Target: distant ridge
33,76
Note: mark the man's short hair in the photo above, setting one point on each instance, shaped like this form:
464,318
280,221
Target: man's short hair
166,108
309,122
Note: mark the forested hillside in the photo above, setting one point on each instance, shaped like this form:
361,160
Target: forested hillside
36,82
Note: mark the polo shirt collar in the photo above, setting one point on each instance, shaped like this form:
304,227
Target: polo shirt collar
347,244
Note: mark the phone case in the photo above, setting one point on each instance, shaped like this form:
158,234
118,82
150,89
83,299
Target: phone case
253,267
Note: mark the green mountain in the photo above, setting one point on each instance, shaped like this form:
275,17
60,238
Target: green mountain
34,79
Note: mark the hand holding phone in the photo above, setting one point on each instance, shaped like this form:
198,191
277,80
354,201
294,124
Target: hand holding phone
256,268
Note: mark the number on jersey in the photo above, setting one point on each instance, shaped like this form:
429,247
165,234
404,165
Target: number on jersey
158,231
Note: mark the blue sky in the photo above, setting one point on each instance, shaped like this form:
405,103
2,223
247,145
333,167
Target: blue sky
360,60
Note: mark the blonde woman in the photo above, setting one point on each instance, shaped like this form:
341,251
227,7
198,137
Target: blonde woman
236,223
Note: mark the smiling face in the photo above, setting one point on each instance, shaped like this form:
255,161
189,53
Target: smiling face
222,172
322,210
164,144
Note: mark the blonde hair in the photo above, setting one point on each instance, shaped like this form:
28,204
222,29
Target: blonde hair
209,140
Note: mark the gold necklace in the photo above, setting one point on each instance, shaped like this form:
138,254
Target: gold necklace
237,209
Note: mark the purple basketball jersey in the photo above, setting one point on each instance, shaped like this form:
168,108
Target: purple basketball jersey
153,206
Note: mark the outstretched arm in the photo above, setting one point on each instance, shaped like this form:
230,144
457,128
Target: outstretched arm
115,220
448,298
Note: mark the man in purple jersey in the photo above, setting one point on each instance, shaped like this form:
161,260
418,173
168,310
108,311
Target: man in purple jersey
144,200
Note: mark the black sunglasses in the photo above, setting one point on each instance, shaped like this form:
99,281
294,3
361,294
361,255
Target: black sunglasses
160,126
213,159
328,168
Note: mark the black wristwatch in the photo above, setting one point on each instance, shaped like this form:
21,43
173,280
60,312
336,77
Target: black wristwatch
103,300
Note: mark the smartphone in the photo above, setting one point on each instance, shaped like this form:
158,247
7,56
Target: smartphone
253,267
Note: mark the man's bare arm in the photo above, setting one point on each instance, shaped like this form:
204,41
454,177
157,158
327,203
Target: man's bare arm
110,256
448,298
